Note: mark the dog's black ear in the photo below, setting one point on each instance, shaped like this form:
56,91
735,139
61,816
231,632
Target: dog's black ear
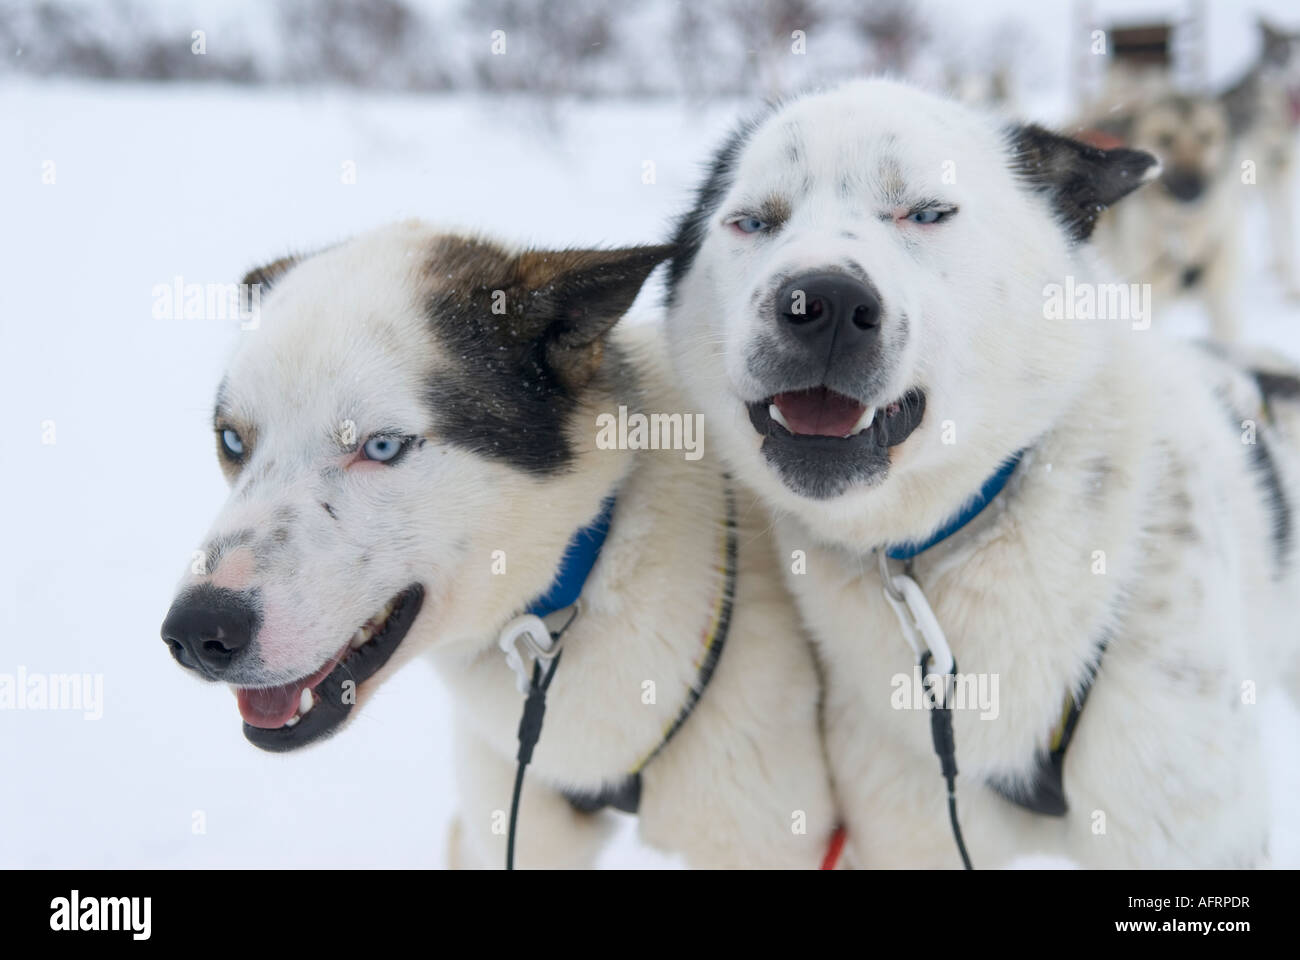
1079,180
1241,104
267,275
574,298
1276,44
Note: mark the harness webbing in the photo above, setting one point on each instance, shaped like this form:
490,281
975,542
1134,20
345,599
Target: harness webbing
625,793
1045,793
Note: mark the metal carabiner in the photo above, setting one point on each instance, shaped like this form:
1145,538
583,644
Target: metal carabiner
920,627
527,638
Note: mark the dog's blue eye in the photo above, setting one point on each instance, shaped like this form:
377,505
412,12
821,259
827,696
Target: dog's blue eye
383,448
928,215
232,442
750,225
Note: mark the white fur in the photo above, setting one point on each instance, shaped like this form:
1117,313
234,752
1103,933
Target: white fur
1130,453
748,760
344,338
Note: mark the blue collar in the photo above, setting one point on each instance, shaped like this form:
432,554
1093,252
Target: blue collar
579,557
992,487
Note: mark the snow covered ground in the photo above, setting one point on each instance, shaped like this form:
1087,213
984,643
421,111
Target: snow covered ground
202,183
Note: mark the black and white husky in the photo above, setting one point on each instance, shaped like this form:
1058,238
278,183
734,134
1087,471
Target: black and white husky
865,302
413,438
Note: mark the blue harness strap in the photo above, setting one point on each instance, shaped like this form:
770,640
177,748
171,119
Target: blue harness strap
1045,791
579,557
991,488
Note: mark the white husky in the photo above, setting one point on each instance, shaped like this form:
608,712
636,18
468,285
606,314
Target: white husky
863,302
410,434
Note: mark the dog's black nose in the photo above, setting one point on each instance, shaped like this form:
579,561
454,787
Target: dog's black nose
1185,185
821,309
208,627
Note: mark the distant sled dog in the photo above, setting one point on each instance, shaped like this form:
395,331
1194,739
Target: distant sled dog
410,437
857,303
1180,237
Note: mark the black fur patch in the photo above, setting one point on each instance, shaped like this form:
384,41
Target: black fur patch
1272,488
622,795
516,375
1078,180
501,401
1277,386
268,275
693,225
1266,468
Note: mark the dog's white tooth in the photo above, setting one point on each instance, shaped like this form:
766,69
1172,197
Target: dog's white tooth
864,421
305,702
359,638
292,721
775,414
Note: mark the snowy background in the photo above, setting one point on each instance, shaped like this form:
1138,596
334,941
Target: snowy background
204,178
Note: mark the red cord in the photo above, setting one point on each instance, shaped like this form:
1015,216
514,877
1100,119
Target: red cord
836,848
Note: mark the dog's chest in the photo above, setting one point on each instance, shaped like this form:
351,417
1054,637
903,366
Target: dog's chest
1018,657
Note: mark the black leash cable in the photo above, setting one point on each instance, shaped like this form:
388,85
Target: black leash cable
530,731
945,745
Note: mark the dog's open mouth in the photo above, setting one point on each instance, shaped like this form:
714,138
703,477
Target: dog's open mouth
295,714
822,414
822,442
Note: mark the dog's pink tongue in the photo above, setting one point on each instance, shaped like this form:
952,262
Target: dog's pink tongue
273,707
270,707
819,412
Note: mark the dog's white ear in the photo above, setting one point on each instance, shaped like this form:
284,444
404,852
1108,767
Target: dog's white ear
574,297
1080,181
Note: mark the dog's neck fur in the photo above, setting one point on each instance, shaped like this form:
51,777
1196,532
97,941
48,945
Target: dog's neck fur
638,478
483,602
630,662
663,499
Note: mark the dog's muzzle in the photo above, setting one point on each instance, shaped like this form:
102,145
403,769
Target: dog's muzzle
1185,186
826,425
211,630
208,628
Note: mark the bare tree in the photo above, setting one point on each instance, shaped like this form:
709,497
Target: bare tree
544,48
893,31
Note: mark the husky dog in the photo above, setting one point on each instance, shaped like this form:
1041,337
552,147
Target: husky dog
858,303
1264,111
410,436
1181,236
